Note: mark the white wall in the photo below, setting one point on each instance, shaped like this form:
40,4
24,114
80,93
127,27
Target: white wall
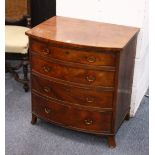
122,12
125,12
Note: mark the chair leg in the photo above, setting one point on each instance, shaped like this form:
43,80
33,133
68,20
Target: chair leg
12,70
25,72
9,68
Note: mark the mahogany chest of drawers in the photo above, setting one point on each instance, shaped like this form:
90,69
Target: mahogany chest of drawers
81,74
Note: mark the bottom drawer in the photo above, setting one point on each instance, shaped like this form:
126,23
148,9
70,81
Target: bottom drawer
71,117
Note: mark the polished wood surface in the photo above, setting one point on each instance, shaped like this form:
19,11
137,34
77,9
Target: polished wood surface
81,74
72,55
67,115
125,79
72,73
89,97
78,32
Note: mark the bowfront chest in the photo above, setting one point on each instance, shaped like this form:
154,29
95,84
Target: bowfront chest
81,74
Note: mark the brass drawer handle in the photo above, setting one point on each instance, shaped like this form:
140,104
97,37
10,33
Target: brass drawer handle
47,89
90,99
90,78
88,122
91,59
46,69
46,51
47,111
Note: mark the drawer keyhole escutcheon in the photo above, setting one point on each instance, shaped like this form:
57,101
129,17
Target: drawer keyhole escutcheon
46,51
90,99
90,78
46,69
47,89
47,111
91,59
88,122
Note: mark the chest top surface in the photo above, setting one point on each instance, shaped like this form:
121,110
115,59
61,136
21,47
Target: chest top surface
64,30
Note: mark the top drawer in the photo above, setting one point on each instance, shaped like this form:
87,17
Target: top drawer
77,56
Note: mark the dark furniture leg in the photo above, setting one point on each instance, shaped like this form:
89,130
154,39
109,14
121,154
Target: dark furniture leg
34,119
24,62
111,141
25,71
127,117
11,69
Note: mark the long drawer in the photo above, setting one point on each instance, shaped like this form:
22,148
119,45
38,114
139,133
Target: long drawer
92,97
70,55
71,73
93,121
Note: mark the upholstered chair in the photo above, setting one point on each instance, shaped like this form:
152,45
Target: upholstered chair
17,21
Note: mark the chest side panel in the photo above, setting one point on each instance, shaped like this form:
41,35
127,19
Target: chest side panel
125,65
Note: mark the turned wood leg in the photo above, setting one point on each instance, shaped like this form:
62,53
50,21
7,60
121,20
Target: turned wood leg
34,119
111,141
127,117
25,72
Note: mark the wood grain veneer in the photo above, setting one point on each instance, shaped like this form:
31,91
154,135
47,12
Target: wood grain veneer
82,73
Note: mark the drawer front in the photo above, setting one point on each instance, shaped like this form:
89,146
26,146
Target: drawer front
75,95
84,57
71,116
76,75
